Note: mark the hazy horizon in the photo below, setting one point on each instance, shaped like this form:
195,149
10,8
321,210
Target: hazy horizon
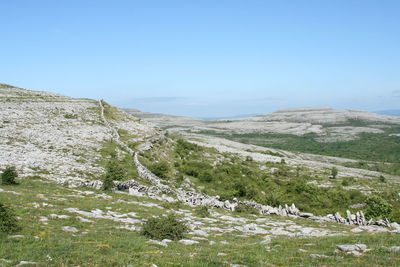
207,58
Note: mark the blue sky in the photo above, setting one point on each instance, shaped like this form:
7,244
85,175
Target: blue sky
207,58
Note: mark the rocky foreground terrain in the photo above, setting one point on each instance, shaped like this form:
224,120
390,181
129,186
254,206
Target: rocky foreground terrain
58,145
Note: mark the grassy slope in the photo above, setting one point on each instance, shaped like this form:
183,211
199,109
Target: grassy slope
230,176
104,245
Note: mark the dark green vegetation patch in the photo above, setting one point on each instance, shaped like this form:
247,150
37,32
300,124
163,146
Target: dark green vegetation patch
168,227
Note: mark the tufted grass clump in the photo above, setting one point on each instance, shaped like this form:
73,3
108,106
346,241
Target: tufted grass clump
8,176
8,221
164,228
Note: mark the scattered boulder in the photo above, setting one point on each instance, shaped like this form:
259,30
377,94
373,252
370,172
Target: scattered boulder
355,250
16,236
69,229
188,241
26,263
56,216
394,249
350,248
156,242
314,256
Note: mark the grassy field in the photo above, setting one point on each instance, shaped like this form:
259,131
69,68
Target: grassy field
101,243
231,176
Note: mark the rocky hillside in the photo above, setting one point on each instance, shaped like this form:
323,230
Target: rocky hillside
58,137
92,178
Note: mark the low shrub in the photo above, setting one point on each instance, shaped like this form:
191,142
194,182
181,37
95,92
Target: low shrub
161,169
108,183
273,199
377,207
8,221
164,228
8,176
114,172
183,148
334,172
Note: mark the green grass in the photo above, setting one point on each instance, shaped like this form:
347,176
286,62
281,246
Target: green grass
125,161
105,245
231,176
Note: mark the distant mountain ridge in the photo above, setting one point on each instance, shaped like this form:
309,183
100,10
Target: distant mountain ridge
390,112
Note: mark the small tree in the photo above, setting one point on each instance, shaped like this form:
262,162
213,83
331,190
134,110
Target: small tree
8,176
108,183
8,222
114,172
334,172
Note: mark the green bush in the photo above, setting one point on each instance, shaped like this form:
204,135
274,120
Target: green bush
164,228
202,212
108,183
334,172
8,222
114,172
377,207
161,169
8,176
205,176
273,199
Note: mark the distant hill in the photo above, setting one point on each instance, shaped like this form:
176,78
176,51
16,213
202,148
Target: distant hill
391,112
330,123
230,117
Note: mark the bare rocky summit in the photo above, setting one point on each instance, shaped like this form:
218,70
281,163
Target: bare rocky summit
56,136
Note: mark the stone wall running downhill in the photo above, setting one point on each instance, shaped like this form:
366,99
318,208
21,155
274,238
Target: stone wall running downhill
193,198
